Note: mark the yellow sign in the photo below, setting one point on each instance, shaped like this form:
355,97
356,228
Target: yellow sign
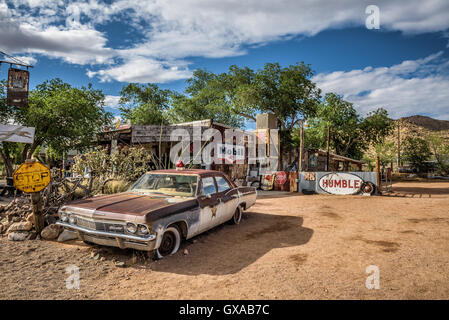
31,177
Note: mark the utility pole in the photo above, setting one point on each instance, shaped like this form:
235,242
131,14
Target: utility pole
328,146
379,181
399,145
301,146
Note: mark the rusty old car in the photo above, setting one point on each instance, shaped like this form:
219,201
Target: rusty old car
160,210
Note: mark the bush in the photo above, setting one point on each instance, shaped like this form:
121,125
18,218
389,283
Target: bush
116,186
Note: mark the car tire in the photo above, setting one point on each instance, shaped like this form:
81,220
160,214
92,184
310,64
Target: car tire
237,217
171,240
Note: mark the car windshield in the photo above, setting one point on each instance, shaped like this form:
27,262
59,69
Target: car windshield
170,184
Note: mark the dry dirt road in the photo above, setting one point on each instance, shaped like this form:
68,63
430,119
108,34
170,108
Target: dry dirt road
289,247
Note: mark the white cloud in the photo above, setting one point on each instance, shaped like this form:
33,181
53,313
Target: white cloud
29,34
409,88
140,69
172,31
111,101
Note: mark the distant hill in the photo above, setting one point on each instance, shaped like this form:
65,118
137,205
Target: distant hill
427,122
417,127
420,126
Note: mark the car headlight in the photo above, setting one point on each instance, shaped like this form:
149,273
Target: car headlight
63,217
72,220
143,229
131,227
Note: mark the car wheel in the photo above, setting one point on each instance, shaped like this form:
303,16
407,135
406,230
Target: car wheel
237,217
171,240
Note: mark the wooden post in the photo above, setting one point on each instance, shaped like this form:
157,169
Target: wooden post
399,146
379,186
301,146
328,146
36,203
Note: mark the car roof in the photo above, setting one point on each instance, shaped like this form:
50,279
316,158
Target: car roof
200,172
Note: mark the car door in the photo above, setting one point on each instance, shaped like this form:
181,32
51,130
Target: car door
227,198
208,199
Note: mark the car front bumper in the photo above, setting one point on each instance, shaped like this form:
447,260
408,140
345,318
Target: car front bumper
123,241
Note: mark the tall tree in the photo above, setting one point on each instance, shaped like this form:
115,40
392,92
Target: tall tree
64,117
145,104
351,134
287,92
440,149
205,98
417,152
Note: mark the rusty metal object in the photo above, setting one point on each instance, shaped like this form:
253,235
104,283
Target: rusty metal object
18,85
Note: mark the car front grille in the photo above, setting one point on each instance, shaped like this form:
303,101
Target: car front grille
100,226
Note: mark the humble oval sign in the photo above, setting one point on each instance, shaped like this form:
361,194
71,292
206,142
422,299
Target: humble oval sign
341,183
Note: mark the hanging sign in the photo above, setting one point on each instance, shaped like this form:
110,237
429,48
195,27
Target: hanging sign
17,91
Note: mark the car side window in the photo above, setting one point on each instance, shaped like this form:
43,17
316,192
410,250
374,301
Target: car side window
208,186
222,184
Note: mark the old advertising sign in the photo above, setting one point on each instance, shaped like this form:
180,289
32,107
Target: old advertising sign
12,133
281,177
31,177
340,183
18,82
230,153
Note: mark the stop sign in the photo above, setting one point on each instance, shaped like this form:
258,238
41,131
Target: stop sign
281,177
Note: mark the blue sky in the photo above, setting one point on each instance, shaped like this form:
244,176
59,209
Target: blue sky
402,66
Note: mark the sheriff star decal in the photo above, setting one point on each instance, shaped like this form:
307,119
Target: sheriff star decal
214,211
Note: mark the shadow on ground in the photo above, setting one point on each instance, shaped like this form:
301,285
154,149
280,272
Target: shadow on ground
228,249
421,190
275,194
225,249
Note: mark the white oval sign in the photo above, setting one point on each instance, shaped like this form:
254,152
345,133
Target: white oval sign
340,183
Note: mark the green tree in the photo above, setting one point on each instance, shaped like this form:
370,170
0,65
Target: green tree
288,92
9,152
241,93
440,149
417,152
206,97
145,104
64,117
350,134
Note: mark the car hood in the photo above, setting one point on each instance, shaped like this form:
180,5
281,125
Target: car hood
130,206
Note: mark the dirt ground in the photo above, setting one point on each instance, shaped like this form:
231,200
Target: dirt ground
287,247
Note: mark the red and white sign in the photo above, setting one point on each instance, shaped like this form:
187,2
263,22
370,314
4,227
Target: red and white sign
230,153
341,183
281,177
